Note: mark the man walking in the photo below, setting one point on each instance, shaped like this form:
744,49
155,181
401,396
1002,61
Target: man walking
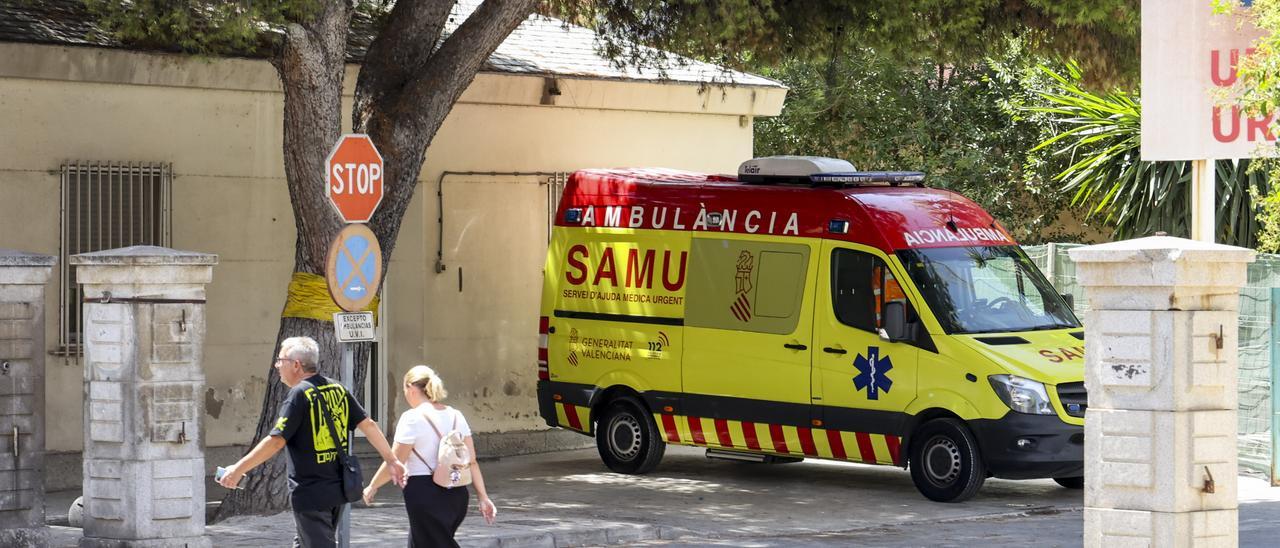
315,479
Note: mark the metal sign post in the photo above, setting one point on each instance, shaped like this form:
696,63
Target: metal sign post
348,380
350,328
1275,381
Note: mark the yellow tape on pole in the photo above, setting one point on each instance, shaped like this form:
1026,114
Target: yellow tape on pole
309,298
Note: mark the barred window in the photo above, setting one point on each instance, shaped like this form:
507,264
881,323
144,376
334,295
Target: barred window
107,205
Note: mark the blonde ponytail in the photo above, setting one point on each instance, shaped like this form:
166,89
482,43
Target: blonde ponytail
425,379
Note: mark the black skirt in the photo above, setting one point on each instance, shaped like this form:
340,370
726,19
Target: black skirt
434,512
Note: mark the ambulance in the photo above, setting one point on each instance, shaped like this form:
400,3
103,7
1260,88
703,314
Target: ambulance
803,309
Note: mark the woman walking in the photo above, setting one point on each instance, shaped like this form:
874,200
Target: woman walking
435,512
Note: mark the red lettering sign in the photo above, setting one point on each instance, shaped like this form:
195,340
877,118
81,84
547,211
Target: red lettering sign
638,272
1063,354
577,264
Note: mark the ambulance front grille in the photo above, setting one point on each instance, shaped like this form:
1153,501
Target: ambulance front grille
1074,398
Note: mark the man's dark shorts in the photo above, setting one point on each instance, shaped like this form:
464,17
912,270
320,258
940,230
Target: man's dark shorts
317,528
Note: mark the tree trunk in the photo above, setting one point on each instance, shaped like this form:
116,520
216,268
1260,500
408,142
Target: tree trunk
310,62
406,89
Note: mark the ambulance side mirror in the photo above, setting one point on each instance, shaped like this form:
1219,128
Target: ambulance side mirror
1070,299
895,322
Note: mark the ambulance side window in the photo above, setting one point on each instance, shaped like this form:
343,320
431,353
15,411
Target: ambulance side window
745,285
860,285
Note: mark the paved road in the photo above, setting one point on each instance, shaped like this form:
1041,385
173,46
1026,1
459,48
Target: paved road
570,499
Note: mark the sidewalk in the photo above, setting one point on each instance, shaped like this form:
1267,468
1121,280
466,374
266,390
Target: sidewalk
570,499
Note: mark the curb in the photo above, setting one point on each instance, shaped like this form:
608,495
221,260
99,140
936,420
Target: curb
601,534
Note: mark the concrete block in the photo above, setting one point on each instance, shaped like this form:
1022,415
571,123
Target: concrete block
15,311
144,265
1161,273
33,295
22,414
1161,360
172,542
144,500
23,268
144,481
16,328
29,537
145,420
16,349
1110,528
1159,460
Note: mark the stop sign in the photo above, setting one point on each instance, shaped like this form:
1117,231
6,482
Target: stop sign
353,178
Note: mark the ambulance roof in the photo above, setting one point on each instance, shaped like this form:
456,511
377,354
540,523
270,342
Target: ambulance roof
882,216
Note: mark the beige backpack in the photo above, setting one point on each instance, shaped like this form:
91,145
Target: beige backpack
453,468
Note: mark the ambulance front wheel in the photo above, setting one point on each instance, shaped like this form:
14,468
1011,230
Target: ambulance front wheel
627,438
945,463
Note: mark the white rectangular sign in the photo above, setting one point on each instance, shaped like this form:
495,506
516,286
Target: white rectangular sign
354,326
1190,58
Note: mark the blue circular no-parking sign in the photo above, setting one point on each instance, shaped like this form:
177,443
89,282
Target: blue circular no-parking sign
354,268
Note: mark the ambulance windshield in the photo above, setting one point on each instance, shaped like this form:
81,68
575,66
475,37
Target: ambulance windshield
986,289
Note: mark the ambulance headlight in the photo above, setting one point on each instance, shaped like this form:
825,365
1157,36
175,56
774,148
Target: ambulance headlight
1022,395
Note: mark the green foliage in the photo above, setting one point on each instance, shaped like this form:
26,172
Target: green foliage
1259,83
1099,136
198,26
965,126
1268,218
741,33
1259,92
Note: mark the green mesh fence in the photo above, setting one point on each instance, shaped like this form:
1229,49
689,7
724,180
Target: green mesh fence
1256,342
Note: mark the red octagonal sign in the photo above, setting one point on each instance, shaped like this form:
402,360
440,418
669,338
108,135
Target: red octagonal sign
353,178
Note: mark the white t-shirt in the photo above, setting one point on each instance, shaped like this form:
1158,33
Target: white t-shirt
413,429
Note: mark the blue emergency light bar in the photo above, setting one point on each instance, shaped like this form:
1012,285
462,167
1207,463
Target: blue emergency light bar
863,177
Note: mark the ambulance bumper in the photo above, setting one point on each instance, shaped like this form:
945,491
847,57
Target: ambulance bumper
546,405
1020,446
580,395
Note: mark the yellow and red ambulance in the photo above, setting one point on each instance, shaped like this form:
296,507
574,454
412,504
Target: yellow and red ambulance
806,310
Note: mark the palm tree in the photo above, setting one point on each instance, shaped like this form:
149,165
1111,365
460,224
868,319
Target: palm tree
1099,137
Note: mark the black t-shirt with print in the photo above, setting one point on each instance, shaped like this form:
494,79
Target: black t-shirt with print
315,479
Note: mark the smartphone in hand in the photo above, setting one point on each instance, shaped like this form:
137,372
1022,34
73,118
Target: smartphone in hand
219,473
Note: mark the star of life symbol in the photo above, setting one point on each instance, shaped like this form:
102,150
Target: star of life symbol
873,373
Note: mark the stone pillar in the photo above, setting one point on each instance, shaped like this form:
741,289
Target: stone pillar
144,327
22,281
1160,367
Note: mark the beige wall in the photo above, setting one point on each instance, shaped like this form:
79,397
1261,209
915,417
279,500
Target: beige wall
219,123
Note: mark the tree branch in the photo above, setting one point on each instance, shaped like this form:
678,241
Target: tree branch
311,64
400,51
459,59
402,124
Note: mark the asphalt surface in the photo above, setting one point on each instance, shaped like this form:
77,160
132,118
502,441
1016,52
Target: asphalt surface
570,499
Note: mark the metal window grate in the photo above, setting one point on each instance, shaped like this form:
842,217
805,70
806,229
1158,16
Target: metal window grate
555,187
107,205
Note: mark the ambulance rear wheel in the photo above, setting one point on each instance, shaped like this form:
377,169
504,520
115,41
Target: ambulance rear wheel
945,463
627,438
